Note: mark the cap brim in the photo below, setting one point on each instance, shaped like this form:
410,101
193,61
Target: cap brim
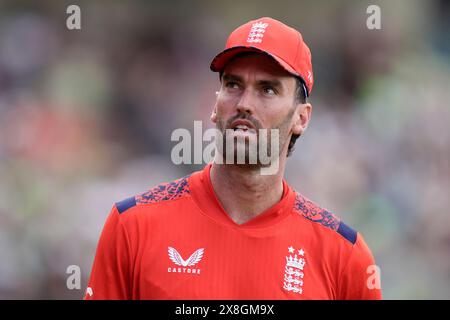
220,61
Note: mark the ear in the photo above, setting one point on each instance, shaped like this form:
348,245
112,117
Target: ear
301,118
214,112
214,115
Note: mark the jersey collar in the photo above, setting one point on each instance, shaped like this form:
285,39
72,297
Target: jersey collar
203,194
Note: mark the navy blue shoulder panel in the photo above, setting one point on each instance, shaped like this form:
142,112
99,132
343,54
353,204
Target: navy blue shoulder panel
166,191
313,212
347,232
126,204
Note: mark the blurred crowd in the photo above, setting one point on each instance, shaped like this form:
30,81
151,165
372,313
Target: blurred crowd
86,118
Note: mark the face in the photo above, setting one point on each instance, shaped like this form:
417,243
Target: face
257,93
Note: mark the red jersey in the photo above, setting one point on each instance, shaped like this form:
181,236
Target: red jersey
177,242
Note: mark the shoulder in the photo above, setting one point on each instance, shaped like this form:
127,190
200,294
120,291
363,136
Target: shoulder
323,218
164,192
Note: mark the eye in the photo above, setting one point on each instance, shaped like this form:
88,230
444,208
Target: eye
269,90
232,85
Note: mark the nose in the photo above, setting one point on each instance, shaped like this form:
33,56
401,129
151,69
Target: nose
246,103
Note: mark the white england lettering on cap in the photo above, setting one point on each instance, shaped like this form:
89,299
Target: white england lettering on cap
256,33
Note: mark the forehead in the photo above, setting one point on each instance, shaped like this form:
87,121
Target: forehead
258,65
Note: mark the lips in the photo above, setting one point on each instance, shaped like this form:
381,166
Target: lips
243,125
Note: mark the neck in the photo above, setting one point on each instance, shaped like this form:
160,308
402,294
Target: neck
243,192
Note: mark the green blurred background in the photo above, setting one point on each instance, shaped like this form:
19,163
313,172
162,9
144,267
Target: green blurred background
86,117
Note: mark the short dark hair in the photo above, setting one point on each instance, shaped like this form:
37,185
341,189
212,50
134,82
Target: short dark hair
300,97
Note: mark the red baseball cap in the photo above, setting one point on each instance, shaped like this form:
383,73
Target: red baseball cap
272,37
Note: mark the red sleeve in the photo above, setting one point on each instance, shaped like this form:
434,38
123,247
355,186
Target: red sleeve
110,276
360,278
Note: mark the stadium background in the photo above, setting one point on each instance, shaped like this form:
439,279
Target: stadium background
86,118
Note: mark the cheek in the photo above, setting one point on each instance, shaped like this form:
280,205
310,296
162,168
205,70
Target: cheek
223,107
273,113
281,118
221,114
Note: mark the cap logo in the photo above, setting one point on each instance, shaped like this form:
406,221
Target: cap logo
309,76
256,33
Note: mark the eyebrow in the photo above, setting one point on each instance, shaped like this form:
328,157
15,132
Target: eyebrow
273,83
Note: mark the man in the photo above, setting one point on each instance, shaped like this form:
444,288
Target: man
228,231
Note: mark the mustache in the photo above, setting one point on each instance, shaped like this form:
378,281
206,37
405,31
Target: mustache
244,116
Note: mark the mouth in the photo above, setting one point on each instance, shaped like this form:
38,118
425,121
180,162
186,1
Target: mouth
243,126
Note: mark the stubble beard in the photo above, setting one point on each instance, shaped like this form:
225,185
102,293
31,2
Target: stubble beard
247,151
